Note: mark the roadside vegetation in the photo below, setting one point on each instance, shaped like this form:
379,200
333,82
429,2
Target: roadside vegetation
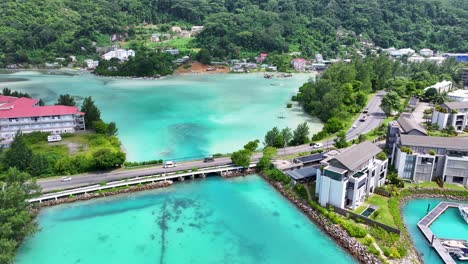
342,92
16,216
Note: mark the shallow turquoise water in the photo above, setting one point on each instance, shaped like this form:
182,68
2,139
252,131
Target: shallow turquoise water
242,220
449,225
181,116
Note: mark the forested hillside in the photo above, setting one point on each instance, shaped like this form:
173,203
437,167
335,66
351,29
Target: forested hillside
34,30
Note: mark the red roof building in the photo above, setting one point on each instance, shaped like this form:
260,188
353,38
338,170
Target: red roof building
26,115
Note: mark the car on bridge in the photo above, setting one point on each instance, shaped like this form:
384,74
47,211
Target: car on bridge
208,159
169,164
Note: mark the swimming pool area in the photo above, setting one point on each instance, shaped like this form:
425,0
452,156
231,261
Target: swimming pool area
368,212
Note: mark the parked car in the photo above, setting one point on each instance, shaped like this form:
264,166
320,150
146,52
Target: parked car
208,159
363,118
169,164
366,110
64,179
316,145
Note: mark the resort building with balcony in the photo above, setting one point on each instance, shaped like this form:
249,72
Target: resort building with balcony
347,178
25,115
451,114
423,158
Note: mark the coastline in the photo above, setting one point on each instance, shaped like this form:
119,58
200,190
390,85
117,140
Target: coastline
334,231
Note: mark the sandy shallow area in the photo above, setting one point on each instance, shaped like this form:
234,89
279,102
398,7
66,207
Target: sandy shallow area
197,67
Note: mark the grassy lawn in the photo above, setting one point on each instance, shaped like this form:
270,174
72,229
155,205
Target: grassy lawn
181,44
447,186
384,216
75,144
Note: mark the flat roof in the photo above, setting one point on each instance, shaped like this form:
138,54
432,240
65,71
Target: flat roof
303,173
311,158
454,143
455,105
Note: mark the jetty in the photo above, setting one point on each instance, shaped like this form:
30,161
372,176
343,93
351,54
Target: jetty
435,242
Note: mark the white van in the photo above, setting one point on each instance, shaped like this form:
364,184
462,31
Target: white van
54,138
169,164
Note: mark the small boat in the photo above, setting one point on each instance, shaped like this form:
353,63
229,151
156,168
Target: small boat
281,116
453,244
464,212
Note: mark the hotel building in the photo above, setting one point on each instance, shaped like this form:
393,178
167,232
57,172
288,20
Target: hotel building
26,115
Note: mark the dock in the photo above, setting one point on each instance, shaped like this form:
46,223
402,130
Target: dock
435,242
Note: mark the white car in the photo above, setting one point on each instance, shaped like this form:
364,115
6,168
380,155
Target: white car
169,164
64,179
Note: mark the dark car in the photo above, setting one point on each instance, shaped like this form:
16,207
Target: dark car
208,159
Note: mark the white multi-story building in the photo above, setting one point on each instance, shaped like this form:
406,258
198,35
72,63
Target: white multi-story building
441,87
451,114
422,158
458,96
426,52
120,54
91,64
25,115
350,176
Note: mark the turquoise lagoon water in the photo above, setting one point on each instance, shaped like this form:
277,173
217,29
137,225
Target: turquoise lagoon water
180,116
241,220
449,225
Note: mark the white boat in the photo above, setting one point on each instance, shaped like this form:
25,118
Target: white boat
464,212
453,244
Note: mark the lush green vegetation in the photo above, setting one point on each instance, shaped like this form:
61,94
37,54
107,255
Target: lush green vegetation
145,63
74,154
64,27
287,137
16,219
342,92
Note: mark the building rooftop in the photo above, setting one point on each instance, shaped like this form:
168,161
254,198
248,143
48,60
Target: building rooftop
413,102
455,105
408,125
311,158
13,107
303,173
459,93
453,143
357,155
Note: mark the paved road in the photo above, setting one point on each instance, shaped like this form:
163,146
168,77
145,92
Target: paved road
375,118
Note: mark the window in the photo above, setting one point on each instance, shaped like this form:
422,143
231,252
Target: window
458,180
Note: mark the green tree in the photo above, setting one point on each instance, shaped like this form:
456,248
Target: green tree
301,134
390,103
272,137
112,129
40,165
241,158
92,113
287,136
100,127
66,99
252,145
16,220
19,155
106,159
340,141
203,56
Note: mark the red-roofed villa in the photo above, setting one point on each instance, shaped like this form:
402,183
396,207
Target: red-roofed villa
26,115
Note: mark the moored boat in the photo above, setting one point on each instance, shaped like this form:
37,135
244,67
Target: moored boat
464,212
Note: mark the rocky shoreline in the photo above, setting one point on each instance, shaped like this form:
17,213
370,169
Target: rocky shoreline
89,196
336,232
